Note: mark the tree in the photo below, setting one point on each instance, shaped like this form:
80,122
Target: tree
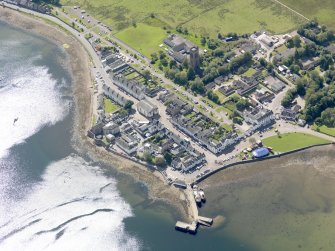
300,86
185,64
296,41
326,61
203,41
238,120
288,99
198,86
172,63
328,117
160,161
161,55
164,62
212,44
181,78
148,157
168,158
294,68
128,105
146,75
190,74
213,96
242,104
154,57
263,62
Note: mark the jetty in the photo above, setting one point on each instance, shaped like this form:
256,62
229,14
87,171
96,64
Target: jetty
197,219
185,227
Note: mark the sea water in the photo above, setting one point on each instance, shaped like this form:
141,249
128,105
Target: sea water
50,198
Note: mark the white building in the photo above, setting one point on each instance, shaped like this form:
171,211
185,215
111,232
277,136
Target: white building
147,109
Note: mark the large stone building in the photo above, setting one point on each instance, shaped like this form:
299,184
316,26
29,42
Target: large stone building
195,58
147,109
181,49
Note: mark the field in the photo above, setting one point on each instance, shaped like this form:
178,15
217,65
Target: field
144,38
291,141
325,130
202,17
323,10
109,106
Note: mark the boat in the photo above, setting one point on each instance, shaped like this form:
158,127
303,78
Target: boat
202,195
197,197
15,120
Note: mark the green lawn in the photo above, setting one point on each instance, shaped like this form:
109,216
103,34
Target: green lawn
144,38
249,72
202,17
222,97
291,141
222,108
325,130
109,106
281,48
323,10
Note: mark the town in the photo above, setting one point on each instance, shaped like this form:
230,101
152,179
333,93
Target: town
190,109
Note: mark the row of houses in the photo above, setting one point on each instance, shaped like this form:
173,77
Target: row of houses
114,95
132,87
199,127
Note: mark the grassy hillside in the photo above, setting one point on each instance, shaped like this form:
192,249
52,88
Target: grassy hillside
323,10
204,17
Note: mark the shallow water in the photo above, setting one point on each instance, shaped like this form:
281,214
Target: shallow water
50,197
284,204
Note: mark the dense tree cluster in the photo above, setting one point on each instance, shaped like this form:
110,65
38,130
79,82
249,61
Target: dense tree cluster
218,61
319,35
319,96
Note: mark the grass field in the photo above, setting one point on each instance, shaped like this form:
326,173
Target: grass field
325,130
291,141
203,17
144,38
323,10
249,72
109,106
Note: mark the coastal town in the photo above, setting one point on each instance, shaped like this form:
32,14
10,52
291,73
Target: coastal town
188,110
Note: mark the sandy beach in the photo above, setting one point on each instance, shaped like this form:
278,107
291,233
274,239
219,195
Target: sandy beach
79,68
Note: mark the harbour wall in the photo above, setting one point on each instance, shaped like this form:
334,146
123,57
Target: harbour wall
256,160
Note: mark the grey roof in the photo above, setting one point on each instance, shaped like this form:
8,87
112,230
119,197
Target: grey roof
147,105
285,54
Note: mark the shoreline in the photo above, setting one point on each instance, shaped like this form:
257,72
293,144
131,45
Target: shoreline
79,66
78,63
